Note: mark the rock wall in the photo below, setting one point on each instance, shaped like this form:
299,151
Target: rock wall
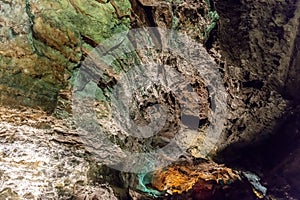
259,43
43,41
256,48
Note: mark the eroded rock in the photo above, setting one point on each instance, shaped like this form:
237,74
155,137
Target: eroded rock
41,158
43,41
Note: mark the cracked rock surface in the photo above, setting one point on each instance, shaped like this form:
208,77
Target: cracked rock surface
255,45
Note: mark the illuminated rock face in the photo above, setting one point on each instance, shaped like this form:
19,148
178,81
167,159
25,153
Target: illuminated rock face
38,162
37,66
186,176
44,43
202,179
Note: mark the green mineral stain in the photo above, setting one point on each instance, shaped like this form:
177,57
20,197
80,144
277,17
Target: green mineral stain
94,20
214,17
175,23
144,180
31,21
28,12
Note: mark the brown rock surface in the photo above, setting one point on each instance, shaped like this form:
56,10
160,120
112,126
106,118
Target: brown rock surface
257,41
43,42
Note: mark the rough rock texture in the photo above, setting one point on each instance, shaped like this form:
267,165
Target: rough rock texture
196,18
258,42
97,80
41,157
182,177
42,42
257,52
291,88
